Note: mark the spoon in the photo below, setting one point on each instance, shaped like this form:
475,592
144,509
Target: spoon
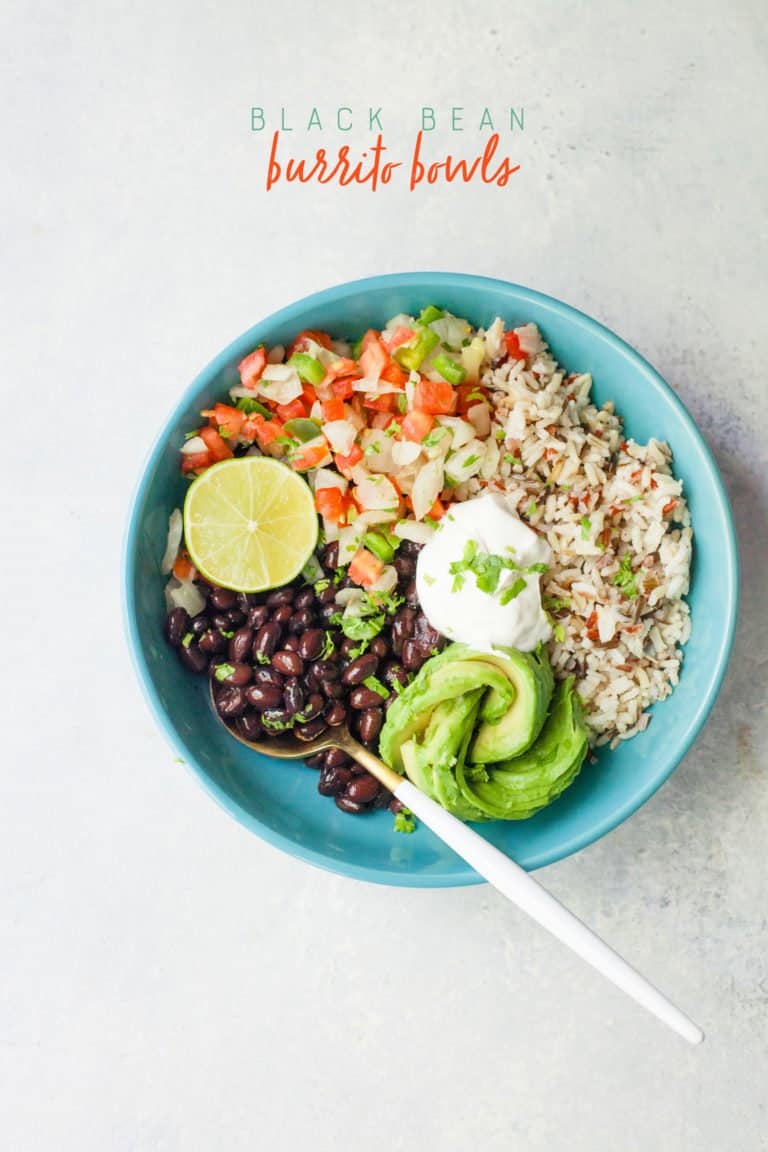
499,870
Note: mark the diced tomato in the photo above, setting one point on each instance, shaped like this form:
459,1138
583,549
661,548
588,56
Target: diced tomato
341,367
436,397
385,403
252,366
512,342
417,425
469,394
293,411
373,358
381,420
365,568
343,387
437,511
266,431
670,504
302,341
228,420
401,335
218,449
195,461
308,395
330,503
309,457
183,568
333,409
346,462
394,374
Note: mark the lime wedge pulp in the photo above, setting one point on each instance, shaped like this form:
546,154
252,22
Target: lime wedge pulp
249,524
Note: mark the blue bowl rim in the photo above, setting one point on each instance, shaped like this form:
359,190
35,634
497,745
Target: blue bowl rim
437,280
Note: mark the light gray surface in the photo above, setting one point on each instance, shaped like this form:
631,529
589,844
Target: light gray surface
168,981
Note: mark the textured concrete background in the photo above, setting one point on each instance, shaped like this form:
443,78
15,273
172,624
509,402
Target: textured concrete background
168,981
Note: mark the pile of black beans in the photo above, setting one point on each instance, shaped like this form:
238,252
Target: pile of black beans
279,662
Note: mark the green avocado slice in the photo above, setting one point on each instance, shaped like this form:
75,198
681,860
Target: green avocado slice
520,723
433,762
517,788
456,671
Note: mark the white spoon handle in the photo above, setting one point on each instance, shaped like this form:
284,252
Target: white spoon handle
516,884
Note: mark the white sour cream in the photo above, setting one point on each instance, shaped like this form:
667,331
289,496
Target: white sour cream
467,613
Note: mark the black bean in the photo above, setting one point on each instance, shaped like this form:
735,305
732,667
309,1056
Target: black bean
427,636
311,644
333,689
258,616
327,611
328,595
311,682
402,628
177,626
263,674
280,597
413,655
331,555
275,720
287,662
348,646
204,587
363,789
199,624
310,730
409,548
360,669
247,600
304,599
405,566
263,696
333,780
335,758
379,647
223,599
267,639
249,725
357,769
362,698
369,724
291,643
395,805
316,760
411,595
381,800
193,657
394,673
230,700
300,621
293,696
220,620
314,706
212,642
241,643
348,805
282,614
336,714
326,670
233,672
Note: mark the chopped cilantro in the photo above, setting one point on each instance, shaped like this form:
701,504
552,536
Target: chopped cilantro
434,437
223,672
499,433
559,633
321,585
633,499
508,458
402,402
487,568
372,448
194,432
430,580
555,603
280,725
404,821
223,431
328,647
531,510
187,639
359,650
226,635
376,685
475,395
626,578
261,658
586,527
470,460
513,591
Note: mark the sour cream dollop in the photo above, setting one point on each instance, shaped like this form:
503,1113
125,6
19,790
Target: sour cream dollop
468,534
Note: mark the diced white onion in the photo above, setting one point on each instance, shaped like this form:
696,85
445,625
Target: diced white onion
461,465
341,436
175,528
387,582
349,542
348,596
529,339
461,430
184,594
427,487
451,330
494,340
479,415
280,383
415,531
376,492
377,450
328,478
405,452
193,445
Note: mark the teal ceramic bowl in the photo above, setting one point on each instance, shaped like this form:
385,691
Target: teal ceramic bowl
279,801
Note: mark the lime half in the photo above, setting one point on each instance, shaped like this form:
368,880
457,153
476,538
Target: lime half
249,524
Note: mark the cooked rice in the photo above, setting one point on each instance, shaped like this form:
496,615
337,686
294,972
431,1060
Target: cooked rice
597,498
